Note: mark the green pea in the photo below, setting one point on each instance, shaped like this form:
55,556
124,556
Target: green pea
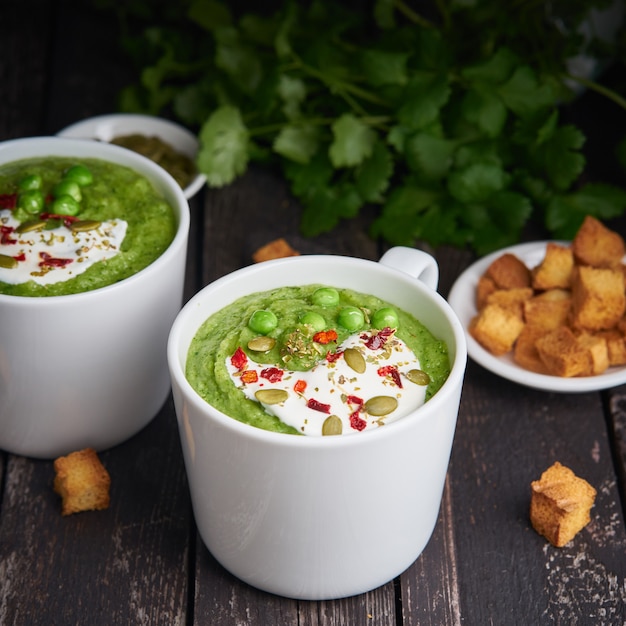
30,183
68,188
325,296
313,319
79,174
263,321
31,201
351,318
385,318
65,205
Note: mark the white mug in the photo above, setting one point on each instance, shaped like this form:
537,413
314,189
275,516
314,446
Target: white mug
89,369
320,517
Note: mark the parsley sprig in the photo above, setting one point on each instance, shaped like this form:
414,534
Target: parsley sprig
449,122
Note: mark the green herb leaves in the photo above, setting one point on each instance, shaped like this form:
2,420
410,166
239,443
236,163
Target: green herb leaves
457,141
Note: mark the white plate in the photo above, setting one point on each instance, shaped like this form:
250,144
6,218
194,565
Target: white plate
462,299
106,127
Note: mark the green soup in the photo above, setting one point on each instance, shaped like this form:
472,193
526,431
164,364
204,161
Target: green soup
114,192
293,343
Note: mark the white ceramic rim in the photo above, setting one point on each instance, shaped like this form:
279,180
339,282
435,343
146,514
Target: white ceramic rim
105,127
61,146
281,439
462,299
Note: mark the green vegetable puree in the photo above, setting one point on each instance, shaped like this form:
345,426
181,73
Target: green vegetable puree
223,332
115,192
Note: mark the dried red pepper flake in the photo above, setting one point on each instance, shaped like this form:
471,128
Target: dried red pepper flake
300,386
8,200
49,261
273,374
325,336
355,400
5,235
378,340
249,376
318,406
357,422
20,257
392,372
239,359
331,357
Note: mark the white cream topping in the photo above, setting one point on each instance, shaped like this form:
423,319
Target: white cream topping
59,254
337,385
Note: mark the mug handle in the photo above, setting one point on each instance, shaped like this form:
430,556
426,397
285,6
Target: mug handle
417,263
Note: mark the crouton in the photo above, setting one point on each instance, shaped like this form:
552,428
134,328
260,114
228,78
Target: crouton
555,271
512,299
509,272
598,351
561,353
484,287
598,246
82,482
560,504
616,346
525,350
598,298
496,328
277,249
546,311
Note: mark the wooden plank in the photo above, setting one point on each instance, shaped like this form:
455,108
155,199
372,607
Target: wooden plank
504,441
124,565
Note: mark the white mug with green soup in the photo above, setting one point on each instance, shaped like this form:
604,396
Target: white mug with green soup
93,241
317,399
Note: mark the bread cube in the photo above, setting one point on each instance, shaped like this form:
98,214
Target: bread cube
598,351
598,298
496,328
598,246
560,504
525,352
555,271
548,310
82,482
484,288
512,299
509,272
561,353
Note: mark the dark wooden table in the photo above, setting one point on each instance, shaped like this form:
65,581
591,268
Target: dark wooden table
141,561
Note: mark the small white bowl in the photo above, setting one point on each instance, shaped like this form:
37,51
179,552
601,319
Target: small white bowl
107,127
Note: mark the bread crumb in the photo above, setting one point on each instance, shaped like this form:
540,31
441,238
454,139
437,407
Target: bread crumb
277,249
560,504
82,482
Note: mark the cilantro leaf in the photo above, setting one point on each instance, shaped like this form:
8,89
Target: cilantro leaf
524,94
374,175
422,99
326,206
237,59
486,110
298,143
565,213
429,155
558,157
353,141
476,182
223,153
382,67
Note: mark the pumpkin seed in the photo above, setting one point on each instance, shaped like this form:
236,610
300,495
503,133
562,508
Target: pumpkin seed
83,225
271,396
7,262
332,426
381,405
355,360
419,377
261,344
30,226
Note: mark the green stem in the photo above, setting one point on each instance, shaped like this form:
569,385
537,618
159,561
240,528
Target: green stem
411,15
601,89
377,121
